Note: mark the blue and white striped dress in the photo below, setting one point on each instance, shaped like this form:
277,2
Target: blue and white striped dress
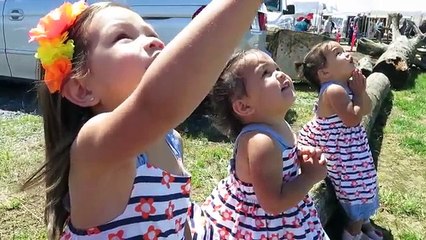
157,208
350,163
233,212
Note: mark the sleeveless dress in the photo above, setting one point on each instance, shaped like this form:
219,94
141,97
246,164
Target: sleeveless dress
157,208
232,211
350,165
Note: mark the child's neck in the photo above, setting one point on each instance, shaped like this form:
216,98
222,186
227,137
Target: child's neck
336,81
276,122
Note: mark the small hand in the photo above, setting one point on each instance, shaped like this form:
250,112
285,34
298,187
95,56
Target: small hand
358,83
313,164
306,152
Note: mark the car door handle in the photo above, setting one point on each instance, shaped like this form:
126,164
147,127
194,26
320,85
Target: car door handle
16,15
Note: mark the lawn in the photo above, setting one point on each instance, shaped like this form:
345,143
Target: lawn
400,146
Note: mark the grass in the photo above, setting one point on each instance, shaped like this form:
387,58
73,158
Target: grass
400,147
402,164
21,151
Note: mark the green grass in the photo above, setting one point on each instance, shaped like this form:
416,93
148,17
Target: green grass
21,151
402,164
401,146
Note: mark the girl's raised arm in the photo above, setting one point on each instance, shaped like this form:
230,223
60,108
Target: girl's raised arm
174,84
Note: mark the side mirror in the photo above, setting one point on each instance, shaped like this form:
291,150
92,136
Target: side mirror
289,10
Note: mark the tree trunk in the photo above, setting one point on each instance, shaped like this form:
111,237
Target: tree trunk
290,47
369,47
366,65
378,87
400,54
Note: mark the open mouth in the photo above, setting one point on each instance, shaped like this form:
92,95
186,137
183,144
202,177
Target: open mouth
286,84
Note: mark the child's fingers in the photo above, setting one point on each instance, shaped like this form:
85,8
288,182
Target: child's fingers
318,153
322,160
305,150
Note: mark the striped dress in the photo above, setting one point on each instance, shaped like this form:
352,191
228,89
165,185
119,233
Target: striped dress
350,163
157,208
232,211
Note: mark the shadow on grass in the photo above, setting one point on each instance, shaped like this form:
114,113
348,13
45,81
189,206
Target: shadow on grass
411,80
20,97
335,226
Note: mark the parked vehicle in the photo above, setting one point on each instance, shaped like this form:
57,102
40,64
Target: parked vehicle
168,17
280,15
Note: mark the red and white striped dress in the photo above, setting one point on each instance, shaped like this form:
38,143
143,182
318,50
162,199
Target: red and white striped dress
350,163
232,211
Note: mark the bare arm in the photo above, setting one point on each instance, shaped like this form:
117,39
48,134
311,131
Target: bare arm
265,163
173,86
350,111
366,106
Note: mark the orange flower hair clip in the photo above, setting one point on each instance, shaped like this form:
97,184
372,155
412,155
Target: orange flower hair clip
55,50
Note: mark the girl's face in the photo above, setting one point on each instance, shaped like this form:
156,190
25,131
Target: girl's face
340,64
122,47
269,91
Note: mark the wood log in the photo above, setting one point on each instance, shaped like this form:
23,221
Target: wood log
288,47
366,65
395,62
369,47
378,88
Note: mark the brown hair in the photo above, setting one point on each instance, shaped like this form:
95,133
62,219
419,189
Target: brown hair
229,87
314,61
62,121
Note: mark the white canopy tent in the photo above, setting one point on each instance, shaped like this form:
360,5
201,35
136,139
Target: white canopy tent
380,8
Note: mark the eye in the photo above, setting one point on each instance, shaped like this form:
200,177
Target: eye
121,36
153,35
266,73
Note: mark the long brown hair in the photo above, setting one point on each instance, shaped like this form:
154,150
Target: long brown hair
62,121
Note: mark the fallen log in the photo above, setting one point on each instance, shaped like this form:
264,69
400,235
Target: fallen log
369,47
378,87
288,47
366,65
395,62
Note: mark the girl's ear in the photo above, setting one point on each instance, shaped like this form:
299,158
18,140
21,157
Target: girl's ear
242,108
77,93
323,73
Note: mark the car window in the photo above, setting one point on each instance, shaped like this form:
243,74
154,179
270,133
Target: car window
273,5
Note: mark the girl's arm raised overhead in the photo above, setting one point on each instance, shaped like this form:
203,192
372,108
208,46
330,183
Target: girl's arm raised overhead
173,85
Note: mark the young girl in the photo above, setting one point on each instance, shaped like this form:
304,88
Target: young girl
112,91
265,194
336,129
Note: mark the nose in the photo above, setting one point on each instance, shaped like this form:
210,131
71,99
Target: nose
153,44
281,76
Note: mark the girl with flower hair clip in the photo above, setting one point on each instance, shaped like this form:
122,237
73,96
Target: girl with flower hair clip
111,92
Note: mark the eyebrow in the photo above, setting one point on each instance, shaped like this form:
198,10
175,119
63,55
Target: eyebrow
146,28
337,48
261,67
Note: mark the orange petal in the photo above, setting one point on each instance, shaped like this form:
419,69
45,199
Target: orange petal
55,74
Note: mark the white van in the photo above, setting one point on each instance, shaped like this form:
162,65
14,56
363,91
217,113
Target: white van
168,17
